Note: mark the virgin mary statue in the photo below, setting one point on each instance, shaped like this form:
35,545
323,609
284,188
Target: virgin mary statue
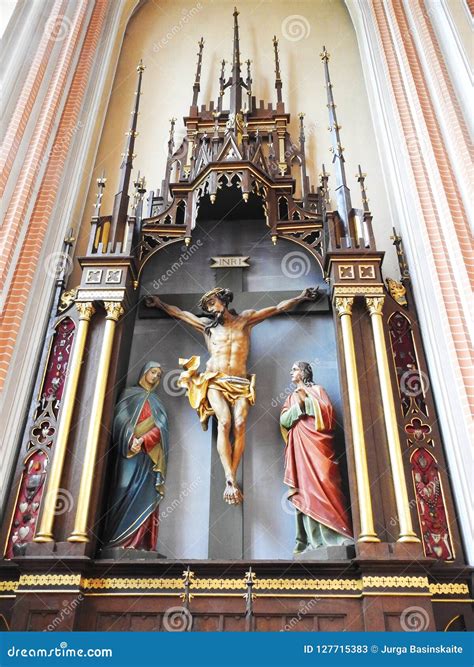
140,437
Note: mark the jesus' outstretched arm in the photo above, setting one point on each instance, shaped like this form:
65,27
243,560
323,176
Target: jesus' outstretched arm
197,323
257,316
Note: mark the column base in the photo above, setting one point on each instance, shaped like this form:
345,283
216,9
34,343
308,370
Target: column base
44,537
78,537
409,537
368,537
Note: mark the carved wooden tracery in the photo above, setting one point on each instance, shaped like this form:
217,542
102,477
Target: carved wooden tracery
40,439
413,388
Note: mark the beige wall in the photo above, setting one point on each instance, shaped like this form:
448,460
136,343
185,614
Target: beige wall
165,36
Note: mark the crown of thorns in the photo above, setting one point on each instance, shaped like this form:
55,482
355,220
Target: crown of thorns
222,293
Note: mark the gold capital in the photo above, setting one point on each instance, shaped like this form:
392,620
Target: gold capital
85,310
114,310
375,304
344,305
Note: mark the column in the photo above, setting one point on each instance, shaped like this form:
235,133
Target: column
367,530
79,534
45,529
375,306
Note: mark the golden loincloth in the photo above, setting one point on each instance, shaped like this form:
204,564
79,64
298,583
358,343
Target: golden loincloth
197,385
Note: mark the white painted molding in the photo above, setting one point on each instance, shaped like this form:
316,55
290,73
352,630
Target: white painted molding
459,152
404,199
458,62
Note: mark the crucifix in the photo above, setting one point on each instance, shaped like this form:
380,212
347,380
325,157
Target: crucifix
224,390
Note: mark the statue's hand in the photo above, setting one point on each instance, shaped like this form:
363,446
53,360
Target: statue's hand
136,445
310,294
152,301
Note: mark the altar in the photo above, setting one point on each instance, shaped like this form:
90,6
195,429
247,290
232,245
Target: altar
238,213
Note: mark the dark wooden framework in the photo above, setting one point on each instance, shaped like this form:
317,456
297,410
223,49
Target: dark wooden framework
247,146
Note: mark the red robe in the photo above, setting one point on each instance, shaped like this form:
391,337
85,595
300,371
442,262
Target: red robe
311,469
146,536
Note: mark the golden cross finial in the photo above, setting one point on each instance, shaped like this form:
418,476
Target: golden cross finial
324,55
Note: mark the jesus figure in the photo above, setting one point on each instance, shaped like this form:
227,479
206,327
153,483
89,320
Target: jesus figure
224,389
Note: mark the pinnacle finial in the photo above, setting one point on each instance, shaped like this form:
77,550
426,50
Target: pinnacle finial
119,213
324,55
235,81
197,79
344,205
101,181
361,179
278,83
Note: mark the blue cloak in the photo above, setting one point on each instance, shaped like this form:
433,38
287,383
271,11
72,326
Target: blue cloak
138,486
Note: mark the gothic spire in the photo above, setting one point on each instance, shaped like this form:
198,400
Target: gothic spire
197,81
171,137
119,213
304,177
248,85
236,80
221,86
361,179
343,194
101,181
278,83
